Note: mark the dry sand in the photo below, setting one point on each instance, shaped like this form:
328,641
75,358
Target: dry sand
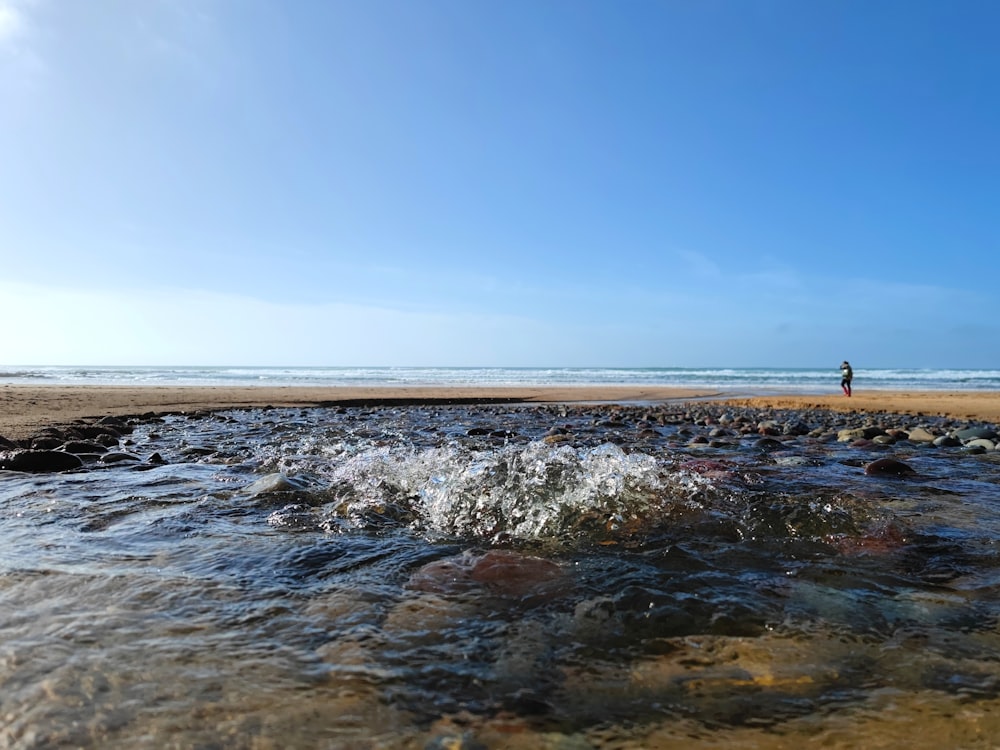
25,409
980,406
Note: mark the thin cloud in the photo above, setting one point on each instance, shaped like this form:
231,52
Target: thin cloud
12,23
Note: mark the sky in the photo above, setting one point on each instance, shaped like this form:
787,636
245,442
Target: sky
611,183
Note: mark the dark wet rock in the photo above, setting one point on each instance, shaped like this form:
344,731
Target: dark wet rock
796,428
888,467
95,432
768,444
39,461
6,444
46,442
118,457
769,427
157,459
478,431
83,446
198,450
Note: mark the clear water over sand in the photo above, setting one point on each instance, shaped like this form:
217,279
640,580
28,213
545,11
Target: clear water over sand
498,577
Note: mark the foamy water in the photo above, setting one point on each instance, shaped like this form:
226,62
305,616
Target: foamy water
741,380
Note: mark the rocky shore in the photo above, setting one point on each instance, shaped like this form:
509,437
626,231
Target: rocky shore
690,426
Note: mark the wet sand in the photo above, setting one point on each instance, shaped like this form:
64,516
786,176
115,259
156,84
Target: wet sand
26,409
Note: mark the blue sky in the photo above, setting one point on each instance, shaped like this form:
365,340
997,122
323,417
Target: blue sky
500,182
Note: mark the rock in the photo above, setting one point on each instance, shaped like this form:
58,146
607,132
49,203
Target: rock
557,439
891,467
947,441
858,433
118,457
46,443
986,445
768,444
972,433
83,446
39,461
276,482
920,435
769,427
796,428
503,572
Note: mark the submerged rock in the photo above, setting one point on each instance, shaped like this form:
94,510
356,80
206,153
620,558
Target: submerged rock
503,572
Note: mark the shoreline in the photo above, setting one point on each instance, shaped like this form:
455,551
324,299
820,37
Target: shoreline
25,409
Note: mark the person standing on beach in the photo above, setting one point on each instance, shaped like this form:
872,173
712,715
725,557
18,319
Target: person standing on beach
846,375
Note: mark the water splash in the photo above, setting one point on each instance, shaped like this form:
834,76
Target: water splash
528,492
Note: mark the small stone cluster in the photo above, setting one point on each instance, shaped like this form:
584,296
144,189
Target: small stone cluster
69,447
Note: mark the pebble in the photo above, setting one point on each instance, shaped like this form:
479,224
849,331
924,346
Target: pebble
698,425
888,467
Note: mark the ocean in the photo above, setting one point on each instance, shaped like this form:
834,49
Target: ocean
737,380
515,577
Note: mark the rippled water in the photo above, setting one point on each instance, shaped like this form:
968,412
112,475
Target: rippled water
498,577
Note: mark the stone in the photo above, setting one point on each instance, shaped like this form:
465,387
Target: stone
768,444
46,443
920,435
972,433
117,457
986,445
39,461
947,441
858,433
891,467
503,572
83,446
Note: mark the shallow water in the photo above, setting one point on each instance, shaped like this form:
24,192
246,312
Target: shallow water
498,577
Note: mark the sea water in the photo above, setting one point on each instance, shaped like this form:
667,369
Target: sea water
499,577
738,380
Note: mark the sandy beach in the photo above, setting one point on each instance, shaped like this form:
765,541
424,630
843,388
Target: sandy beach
25,409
